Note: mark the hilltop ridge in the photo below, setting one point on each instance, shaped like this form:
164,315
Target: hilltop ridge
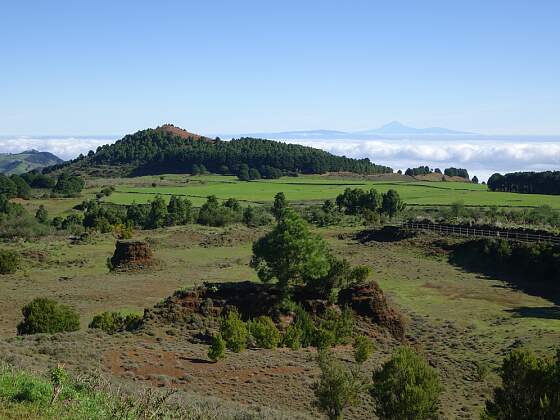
171,149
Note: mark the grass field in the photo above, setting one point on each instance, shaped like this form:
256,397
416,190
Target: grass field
457,318
315,188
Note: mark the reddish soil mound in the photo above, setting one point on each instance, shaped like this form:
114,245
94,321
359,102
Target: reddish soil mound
250,299
132,255
369,301
256,299
184,134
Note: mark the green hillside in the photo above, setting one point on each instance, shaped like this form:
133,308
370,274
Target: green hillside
169,149
18,163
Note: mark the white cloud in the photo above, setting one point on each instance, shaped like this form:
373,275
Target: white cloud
63,147
480,157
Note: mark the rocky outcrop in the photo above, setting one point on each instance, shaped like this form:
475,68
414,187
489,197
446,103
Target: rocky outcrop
212,299
369,300
255,299
132,255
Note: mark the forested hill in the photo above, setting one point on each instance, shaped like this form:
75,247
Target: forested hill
547,182
170,149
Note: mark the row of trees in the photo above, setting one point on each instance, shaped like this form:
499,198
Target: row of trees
460,172
20,186
357,201
266,172
425,170
526,182
157,151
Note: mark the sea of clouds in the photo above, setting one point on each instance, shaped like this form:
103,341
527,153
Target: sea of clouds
480,157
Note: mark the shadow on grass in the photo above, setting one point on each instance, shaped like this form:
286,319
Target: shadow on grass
197,361
385,234
542,312
469,257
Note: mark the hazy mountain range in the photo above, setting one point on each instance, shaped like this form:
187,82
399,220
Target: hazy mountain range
393,129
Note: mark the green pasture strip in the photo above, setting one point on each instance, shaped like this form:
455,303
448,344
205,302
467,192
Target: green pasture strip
305,188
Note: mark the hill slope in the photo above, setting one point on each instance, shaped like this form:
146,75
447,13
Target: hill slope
18,163
169,149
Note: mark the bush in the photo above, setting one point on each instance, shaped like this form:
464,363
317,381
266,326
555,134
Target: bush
9,262
42,215
340,324
323,338
112,322
359,274
16,222
234,331
406,388
363,348
530,388
292,338
264,332
7,187
68,185
212,213
23,189
256,216
337,388
217,350
305,324
44,315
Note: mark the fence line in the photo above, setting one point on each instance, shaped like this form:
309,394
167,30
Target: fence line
468,231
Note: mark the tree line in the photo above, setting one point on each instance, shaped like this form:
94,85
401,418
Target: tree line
547,182
20,186
156,151
426,170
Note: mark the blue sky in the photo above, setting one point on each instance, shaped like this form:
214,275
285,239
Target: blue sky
100,67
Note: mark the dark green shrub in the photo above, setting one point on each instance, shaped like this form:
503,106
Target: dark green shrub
157,216
7,187
292,338
212,213
234,331
530,388
17,222
359,274
406,388
44,315
340,324
363,348
68,185
305,324
22,187
9,262
256,216
112,322
264,332
179,211
323,338
338,387
42,215
217,349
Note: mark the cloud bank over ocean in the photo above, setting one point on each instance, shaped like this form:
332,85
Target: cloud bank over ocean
64,147
480,157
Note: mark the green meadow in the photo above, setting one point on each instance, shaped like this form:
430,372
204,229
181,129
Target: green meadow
316,188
